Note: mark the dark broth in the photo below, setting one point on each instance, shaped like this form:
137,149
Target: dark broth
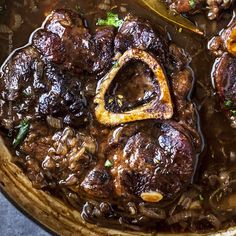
219,151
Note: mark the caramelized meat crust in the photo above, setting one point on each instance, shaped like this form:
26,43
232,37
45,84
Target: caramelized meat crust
139,34
224,69
66,41
46,77
158,158
98,183
34,90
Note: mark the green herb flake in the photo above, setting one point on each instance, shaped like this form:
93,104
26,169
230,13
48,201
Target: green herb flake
228,104
119,102
108,164
26,93
110,100
201,198
111,20
22,133
233,112
116,64
78,9
192,3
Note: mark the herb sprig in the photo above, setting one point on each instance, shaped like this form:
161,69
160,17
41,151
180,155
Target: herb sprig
192,3
108,164
22,133
111,20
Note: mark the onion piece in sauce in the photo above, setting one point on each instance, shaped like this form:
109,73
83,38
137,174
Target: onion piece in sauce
224,198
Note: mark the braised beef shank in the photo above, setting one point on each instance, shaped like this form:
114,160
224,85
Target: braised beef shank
55,75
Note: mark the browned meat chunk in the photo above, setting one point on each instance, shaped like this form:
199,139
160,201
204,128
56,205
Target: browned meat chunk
50,46
224,70
104,40
58,159
98,183
63,97
137,33
151,159
226,41
33,90
190,6
224,74
67,42
19,85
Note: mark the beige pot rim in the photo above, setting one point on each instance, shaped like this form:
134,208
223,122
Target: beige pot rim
51,212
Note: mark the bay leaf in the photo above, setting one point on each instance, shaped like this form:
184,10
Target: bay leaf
160,9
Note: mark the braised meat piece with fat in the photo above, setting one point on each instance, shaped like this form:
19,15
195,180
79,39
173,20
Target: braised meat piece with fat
224,69
64,40
153,159
32,89
147,160
138,33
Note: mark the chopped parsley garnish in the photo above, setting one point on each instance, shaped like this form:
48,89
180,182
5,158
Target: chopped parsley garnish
108,164
78,9
228,104
192,3
233,112
116,64
22,133
201,198
111,20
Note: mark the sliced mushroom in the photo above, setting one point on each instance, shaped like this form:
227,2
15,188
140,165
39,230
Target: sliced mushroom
160,107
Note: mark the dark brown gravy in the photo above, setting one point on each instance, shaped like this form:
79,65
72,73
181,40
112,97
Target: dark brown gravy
219,151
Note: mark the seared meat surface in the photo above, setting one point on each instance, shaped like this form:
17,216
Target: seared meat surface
137,33
214,7
45,78
67,42
64,97
224,70
32,89
16,86
98,183
156,158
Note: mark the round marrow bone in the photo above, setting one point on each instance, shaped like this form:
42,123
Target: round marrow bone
160,107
